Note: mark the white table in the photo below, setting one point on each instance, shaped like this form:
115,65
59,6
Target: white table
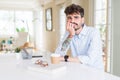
11,70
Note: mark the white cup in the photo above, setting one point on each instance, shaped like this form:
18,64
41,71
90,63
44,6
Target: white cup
55,58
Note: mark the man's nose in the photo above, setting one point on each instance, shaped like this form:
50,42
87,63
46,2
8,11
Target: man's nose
72,20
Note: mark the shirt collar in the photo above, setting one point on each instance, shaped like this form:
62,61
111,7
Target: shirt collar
83,32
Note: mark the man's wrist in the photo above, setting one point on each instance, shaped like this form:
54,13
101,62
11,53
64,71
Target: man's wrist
70,36
66,58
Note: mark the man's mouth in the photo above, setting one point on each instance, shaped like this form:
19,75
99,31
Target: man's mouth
74,23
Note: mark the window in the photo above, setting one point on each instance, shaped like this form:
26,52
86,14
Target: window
102,17
49,19
6,22
10,20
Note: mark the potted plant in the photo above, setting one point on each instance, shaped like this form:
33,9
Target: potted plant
22,36
17,50
17,53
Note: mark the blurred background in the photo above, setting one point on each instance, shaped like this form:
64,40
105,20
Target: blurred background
41,24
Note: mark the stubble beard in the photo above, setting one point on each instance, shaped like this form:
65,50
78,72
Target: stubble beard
78,30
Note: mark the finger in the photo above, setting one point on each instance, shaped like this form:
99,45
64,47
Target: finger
68,25
72,25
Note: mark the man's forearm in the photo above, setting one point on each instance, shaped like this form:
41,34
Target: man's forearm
75,59
66,43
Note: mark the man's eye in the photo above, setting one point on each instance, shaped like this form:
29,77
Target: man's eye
76,17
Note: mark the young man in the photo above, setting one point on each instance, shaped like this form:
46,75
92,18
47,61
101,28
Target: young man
84,41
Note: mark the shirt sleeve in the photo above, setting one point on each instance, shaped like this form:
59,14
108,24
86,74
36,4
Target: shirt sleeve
94,50
60,45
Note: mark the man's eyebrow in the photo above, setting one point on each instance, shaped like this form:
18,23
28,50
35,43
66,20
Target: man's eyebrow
68,16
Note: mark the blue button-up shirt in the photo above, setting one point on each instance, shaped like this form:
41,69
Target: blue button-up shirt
86,46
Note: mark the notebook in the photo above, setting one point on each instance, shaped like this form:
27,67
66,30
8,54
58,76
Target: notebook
50,69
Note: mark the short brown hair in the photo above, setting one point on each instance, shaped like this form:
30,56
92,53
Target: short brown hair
73,8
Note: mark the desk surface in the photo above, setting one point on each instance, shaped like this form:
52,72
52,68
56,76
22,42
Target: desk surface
11,70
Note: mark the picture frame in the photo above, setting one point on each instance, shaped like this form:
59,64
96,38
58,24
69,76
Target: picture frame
48,14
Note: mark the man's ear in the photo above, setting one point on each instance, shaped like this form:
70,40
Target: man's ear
83,20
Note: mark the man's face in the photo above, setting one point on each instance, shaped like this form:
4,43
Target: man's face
76,20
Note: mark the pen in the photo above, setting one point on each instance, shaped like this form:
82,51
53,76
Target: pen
37,56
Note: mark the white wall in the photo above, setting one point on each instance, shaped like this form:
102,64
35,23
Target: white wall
38,29
116,37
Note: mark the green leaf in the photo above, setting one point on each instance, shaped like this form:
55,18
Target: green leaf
22,29
3,41
17,30
17,50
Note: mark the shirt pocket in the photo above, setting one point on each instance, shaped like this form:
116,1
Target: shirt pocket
83,46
